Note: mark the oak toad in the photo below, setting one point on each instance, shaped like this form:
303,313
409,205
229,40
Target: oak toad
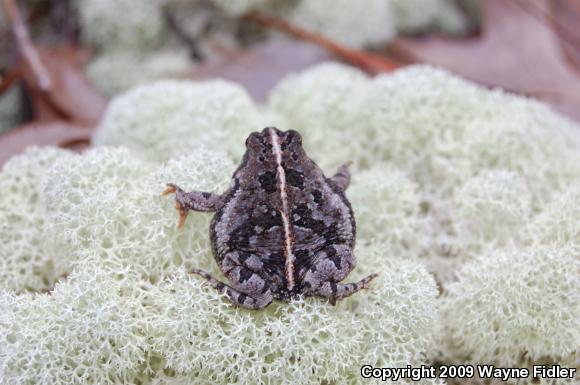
282,229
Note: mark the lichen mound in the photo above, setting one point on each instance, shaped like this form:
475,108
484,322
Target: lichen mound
114,72
112,327
386,205
27,260
119,24
515,308
326,105
168,118
87,331
107,203
346,21
479,186
450,137
413,16
557,223
203,337
493,206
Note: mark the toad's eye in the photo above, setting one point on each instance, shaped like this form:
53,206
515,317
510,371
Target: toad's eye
293,137
255,139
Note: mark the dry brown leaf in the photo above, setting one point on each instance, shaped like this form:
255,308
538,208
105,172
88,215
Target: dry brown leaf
516,51
71,96
566,21
261,67
59,134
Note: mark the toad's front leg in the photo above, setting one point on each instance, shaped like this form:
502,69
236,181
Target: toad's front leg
194,200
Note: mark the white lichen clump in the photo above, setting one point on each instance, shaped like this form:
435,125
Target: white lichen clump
239,7
115,72
492,206
558,222
127,328
132,41
120,24
492,172
477,185
360,23
441,131
204,339
169,118
386,205
345,21
26,255
89,330
424,15
514,308
107,203
321,103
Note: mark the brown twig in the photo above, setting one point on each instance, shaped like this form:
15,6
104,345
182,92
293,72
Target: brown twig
365,60
8,79
182,34
26,47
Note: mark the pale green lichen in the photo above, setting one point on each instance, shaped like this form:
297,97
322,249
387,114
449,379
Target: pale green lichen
362,23
26,256
114,328
239,7
166,119
386,205
479,184
89,330
439,130
412,16
120,23
514,308
115,72
452,129
327,105
203,338
492,206
441,135
107,203
348,22
557,223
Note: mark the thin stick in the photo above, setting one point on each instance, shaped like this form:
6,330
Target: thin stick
26,47
8,79
182,34
367,61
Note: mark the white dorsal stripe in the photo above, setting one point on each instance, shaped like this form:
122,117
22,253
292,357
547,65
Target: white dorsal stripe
281,177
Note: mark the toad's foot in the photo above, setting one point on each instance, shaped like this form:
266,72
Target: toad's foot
194,200
180,205
334,291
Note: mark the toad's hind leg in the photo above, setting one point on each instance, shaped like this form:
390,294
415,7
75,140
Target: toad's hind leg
194,200
252,301
332,266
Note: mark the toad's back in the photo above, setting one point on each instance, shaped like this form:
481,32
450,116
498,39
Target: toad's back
280,212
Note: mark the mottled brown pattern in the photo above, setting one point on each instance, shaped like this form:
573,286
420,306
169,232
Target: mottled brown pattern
283,228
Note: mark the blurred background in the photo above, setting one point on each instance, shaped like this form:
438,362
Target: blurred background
62,60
